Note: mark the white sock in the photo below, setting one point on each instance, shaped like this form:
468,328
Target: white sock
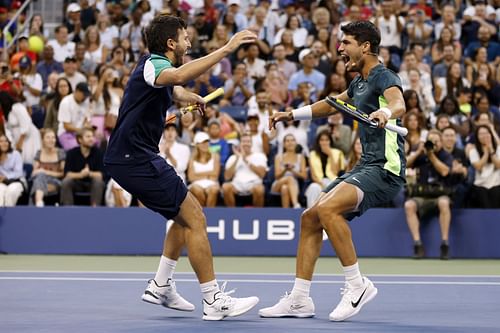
301,288
209,289
353,275
165,270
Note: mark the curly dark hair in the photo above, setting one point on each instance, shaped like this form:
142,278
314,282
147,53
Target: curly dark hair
161,29
363,31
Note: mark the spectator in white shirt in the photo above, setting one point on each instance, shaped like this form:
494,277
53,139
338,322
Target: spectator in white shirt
32,82
177,154
62,47
74,114
70,72
244,174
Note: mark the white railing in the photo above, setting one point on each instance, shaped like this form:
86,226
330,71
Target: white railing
20,30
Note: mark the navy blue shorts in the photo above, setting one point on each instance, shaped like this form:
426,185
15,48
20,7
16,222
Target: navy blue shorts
155,183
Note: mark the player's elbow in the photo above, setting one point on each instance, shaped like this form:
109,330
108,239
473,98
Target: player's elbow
172,77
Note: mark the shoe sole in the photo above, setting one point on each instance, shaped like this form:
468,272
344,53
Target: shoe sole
287,315
234,314
367,299
151,300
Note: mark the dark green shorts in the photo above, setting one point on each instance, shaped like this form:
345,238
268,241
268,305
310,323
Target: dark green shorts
378,185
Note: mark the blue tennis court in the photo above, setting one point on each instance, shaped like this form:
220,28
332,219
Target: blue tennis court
80,302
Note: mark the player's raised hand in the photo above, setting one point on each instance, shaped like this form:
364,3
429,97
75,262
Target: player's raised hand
242,37
279,116
196,102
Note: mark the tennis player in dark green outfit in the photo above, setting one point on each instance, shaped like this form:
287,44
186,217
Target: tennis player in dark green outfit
377,178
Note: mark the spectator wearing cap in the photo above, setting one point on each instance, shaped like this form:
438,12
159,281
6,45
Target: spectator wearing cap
177,154
73,22
48,65
63,48
204,29
244,174
83,170
70,72
73,115
308,74
233,6
203,171
133,30
217,144
19,128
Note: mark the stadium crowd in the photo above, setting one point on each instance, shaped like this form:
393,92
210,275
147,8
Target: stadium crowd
60,93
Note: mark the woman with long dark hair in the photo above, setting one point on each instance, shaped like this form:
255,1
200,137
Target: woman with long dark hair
485,158
63,89
325,164
11,173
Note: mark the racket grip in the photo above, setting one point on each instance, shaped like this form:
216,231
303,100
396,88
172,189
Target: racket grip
403,131
213,95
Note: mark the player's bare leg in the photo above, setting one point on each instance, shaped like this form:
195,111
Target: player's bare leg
358,290
216,303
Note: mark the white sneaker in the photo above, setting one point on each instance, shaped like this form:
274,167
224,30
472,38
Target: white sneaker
289,306
166,295
353,300
224,305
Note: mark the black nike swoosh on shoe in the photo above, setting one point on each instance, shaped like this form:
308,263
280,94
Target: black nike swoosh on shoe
147,292
355,305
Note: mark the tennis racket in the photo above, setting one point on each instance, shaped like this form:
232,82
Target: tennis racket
190,108
361,116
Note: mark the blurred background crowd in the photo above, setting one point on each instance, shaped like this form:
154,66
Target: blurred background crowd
61,88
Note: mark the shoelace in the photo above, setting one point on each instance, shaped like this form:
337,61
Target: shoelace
346,292
286,296
224,298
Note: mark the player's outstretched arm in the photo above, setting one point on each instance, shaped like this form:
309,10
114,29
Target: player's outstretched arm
320,109
193,69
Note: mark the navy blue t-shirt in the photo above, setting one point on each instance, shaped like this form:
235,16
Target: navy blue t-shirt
142,114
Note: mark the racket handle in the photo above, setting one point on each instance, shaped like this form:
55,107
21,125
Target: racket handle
403,131
213,95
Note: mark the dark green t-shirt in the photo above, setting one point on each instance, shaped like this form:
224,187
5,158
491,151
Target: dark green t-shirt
380,147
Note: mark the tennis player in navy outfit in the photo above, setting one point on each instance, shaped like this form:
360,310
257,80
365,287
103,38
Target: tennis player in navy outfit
377,178
132,160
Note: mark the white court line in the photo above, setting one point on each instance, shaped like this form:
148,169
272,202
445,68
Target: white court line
258,274
55,278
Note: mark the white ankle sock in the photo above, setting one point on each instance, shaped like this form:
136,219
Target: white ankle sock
301,288
165,270
353,275
209,289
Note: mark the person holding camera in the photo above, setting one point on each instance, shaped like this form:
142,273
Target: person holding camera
431,190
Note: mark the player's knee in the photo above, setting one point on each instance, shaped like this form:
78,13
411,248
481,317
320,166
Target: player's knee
410,206
309,218
284,189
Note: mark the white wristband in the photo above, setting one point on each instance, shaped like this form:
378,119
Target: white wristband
387,112
303,113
